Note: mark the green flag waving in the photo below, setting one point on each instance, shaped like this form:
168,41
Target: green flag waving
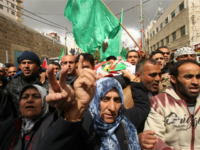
124,54
114,42
92,23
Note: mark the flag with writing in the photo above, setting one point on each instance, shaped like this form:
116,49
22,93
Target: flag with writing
92,23
124,53
62,54
114,42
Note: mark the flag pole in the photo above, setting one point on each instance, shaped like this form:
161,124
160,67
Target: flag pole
124,28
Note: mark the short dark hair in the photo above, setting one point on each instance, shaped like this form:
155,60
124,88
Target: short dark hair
111,57
162,47
142,62
56,63
156,52
174,68
133,51
87,57
8,65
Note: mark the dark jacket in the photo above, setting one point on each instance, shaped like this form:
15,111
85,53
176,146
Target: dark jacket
11,138
15,86
4,82
84,137
6,109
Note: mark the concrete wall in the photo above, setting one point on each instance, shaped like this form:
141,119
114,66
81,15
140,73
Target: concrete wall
181,19
15,36
7,11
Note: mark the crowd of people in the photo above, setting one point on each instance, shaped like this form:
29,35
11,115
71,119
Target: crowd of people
146,102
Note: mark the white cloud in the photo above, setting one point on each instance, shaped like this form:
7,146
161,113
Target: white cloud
127,41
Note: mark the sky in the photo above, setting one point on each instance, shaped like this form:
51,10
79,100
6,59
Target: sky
53,10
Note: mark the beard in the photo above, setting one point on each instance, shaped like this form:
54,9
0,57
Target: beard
185,90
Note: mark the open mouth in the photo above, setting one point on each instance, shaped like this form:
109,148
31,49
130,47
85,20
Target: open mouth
194,89
29,107
155,86
27,71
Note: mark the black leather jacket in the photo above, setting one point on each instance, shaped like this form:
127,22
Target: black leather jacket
14,88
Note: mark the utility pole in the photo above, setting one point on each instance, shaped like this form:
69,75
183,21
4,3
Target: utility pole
53,46
142,23
66,52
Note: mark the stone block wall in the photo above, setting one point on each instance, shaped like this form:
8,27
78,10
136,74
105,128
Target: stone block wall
15,36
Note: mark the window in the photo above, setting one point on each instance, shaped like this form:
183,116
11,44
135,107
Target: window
161,25
154,47
167,39
12,12
7,3
173,14
183,31
181,6
7,10
157,29
153,32
162,42
166,20
1,6
158,45
150,35
151,48
12,5
174,35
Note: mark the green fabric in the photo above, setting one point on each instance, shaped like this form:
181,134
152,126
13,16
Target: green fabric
114,42
62,54
120,66
92,23
124,54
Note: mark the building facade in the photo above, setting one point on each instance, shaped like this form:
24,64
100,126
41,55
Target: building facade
177,27
12,9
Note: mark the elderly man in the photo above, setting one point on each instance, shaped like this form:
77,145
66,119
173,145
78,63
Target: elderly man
184,53
174,116
30,67
3,81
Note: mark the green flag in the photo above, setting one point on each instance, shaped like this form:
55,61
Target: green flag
92,23
62,54
124,53
114,42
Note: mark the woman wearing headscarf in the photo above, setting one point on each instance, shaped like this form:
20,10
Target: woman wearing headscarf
106,124
25,132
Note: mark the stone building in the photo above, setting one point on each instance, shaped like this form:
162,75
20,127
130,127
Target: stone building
16,38
178,26
12,9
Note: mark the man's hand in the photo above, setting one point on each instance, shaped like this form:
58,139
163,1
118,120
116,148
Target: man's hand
60,95
130,76
143,54
84,88
147,140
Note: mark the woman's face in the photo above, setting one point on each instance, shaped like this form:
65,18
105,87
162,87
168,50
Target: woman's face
31,103
110,105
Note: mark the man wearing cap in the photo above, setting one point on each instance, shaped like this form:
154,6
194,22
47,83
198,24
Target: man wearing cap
3,81
184,53
30,67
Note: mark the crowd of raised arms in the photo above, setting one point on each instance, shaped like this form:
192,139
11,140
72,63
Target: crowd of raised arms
144,103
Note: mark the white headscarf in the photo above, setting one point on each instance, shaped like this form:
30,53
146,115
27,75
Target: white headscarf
28,124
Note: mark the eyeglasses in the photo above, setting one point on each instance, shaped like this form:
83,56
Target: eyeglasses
166,53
